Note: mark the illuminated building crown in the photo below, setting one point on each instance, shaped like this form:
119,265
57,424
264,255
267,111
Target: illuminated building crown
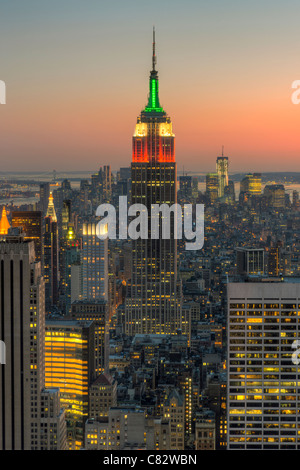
51,209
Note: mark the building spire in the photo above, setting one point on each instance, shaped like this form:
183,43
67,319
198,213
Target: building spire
153,51
153,99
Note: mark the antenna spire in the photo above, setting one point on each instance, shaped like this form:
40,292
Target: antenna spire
153,49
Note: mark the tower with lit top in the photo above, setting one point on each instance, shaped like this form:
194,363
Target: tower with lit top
153,297
50,256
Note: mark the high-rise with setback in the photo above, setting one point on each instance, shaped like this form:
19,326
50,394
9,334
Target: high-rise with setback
153,297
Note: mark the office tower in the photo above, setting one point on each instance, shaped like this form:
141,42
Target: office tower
96,311
4,224
50,255
53,428
31,223
229,192
69,366
185,185
106,183
295,199
274,259
263,378
125,173
70,256
22,328
275,194
94,264
44,197
153,299
251,184
215,399
222,172
174,409
250,261
84,195
16,396
212,187
102,396
65,217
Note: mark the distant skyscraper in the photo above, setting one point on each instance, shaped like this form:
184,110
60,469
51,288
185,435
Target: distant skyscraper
153,300
185,185
263,377
275,194
251,184
70,257
44,197
212,187
94,264
50,255
31,223
274,260
222,172
105,181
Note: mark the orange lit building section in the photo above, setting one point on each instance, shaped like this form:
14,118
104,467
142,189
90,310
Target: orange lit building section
153,142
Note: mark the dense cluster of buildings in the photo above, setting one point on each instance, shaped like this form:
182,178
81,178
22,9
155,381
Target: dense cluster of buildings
121,344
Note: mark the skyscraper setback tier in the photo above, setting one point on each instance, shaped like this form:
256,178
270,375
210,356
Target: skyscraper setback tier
153,300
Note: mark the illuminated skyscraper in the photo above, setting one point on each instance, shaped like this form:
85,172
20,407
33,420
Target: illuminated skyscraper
153,298
31,223
70,366
251,184
212,187
50,256
222,171
263,375
94,264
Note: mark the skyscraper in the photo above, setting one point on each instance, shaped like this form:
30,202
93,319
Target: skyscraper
251,184
263,377
50,255
153,300
222,171
24,417
44,197
31,223
70,366
96,311
94,264
212,187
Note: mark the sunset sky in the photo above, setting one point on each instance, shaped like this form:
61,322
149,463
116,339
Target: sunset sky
77,73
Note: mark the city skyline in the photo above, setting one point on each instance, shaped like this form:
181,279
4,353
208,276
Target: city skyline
226,80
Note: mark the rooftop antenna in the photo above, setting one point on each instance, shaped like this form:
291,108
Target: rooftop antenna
222,150
153,49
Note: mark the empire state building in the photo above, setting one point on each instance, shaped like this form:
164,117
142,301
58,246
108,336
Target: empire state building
153,303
